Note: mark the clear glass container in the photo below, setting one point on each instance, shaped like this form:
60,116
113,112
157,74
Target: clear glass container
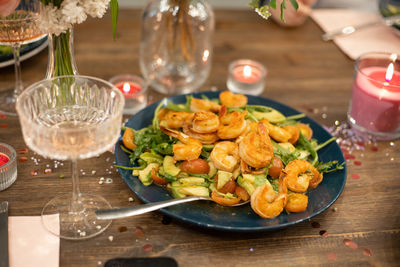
176,44
8,170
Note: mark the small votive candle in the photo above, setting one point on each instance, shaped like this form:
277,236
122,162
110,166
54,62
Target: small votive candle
8,166
134,89
246,77
375,104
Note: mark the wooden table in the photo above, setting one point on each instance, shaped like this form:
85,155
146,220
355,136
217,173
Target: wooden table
304,72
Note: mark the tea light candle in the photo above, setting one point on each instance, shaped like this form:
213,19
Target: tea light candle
246,77
3,159
8,166
134,89
375,105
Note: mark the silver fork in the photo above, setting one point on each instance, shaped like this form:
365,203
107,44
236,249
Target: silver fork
389,21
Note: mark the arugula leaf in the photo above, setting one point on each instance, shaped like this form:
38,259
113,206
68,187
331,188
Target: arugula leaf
284,154
330,166
303,143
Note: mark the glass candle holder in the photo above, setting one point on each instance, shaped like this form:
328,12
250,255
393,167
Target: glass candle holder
8,166
134,89
375,104
246,77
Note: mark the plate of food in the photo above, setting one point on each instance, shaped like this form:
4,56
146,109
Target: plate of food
282,165
27,51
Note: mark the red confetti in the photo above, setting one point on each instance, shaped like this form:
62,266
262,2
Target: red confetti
331,256
47,171
3,125
23,159
22,151
374,148
2,116
315,225
349,156
355,176
350,243
367,252
360,143
344,150
323,233
139,232
34,172
148,247
358,163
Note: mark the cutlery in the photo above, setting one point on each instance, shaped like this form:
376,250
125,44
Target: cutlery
4,234
118,213
389,21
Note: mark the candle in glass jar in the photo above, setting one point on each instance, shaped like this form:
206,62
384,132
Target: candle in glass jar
3,159
129,89
246,77
375,104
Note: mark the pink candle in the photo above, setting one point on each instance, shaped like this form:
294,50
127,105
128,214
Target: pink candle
376,99
3,159
129,89
247,74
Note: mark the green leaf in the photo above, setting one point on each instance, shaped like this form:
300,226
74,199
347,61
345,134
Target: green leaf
114,15
283,6
330,166
294,4
272,4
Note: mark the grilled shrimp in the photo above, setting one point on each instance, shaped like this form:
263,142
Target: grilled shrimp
232,100
300,175
296,202
176,119
255,148
204,138
232,124
266,202
225,156
197,105
187,149
205,122
277,133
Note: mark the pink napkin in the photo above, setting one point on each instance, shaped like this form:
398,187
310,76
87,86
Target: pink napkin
378,38
30,244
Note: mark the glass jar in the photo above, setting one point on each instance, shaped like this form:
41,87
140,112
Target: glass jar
176,44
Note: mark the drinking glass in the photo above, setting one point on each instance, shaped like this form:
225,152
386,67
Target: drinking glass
72,117
16,29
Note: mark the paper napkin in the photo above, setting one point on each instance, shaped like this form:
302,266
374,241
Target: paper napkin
378,38
30,244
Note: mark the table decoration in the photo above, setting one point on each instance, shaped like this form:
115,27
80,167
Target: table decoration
176,45
8,166
82,122
18,26
57,19
134,89
375,104
246,76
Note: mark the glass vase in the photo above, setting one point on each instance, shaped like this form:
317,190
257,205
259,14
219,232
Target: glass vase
61,55
176,44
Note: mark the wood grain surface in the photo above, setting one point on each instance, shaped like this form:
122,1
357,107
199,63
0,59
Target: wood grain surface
304,72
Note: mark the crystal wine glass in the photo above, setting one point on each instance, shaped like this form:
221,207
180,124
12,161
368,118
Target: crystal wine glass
72,117
16,29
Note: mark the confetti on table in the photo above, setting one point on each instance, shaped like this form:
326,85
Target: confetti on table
34,172
47,171
3,116
148,247
122,229
349,156
323,233
331,256
139,232
350,243
3,125
374,148
23,159
367,252
22,151
355,176
357,163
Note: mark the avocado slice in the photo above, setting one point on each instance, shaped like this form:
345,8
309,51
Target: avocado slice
145,176
223,178
169,166
175,190
200,191
273,116
191,180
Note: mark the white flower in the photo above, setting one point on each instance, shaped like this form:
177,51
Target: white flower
73,11
51,20
95,8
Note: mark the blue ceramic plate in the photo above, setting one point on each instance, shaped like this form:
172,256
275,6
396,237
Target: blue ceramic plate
27,51
240,219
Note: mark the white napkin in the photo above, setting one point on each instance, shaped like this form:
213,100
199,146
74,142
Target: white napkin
30,244
378,38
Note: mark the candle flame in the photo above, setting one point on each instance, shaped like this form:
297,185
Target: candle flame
126,88
389,72
247,71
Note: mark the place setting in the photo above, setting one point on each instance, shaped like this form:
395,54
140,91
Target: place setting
207,137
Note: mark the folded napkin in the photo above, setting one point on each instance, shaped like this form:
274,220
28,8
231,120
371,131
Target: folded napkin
377,38
30,244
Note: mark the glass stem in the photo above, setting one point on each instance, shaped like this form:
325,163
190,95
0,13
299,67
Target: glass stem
76,194
17,66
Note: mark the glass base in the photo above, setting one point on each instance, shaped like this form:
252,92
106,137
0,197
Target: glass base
7,102
78,221
384,136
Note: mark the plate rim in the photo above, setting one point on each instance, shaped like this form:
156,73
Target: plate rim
234,228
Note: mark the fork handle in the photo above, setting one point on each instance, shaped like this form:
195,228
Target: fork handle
107,214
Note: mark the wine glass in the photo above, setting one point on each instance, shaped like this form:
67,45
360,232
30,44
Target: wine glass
72,117
16,29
